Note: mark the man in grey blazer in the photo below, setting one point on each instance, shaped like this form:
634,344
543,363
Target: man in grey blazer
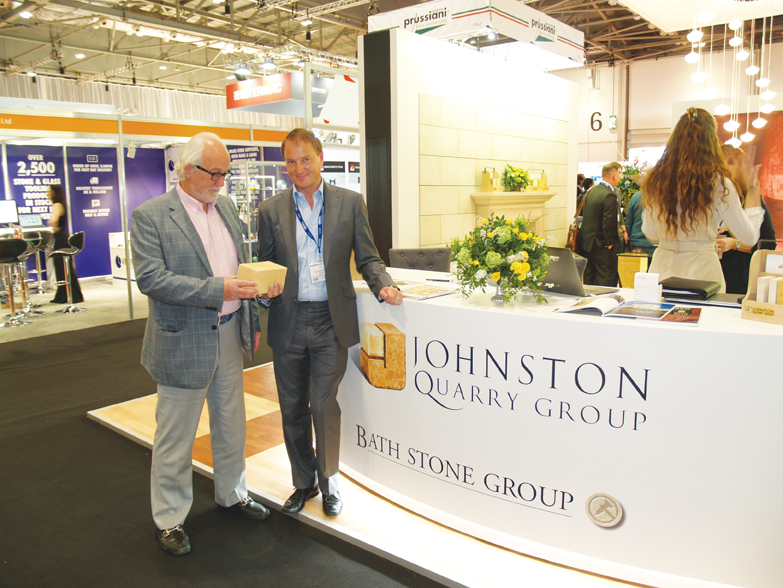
311,230
187,246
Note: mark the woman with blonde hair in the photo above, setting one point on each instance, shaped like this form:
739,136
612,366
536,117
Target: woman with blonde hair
687,195
735,258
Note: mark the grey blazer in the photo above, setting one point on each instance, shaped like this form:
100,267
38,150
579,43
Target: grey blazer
346,229
172,270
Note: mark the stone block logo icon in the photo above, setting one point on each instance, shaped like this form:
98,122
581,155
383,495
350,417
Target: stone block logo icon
383,355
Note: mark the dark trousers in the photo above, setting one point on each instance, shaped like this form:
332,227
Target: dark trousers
308,375
601,267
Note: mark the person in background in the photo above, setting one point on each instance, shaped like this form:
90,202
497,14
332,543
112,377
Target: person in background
187,247
311,229
59,224
599,236
579,190
735,255
687,195
586,185
637,242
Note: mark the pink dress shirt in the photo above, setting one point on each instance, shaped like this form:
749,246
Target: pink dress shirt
220,247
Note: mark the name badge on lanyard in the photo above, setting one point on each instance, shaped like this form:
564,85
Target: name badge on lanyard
317,269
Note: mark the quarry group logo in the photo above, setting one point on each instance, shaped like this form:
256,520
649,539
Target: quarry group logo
383,355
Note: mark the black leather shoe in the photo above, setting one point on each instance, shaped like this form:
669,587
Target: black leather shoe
332,504
250,509
297,500
174,540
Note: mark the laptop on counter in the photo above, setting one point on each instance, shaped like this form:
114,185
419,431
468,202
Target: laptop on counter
562,277
31,221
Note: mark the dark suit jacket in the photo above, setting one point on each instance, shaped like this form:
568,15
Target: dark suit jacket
599,219
346,229
173,271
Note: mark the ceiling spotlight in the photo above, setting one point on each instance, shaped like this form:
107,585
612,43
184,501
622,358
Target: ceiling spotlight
307,21
735,24
268,64
242,69
228,8
734,142
300,63
26,14
230,77
79,56
692,57
752,70
731,125
768,95
162,67
762,82
722,109
747,137
695,36
216,1
767,108
735,41
31,73
742,55
705,16
308,36
491,34
710,93
759,122
698,76
228,48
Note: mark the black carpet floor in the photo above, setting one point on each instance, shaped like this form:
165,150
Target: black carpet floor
74,496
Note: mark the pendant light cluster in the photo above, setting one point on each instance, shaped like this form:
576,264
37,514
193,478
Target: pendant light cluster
748,61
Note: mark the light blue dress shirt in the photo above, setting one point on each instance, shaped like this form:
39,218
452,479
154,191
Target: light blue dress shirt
306,248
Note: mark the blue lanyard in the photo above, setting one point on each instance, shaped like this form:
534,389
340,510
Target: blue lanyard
307,230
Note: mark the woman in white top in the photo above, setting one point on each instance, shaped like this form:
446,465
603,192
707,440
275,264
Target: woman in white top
687,195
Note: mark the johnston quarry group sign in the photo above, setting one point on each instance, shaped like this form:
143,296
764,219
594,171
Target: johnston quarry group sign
609,447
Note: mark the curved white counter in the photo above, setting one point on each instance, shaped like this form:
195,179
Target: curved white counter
510,418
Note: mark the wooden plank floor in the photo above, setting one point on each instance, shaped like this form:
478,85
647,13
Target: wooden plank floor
367,520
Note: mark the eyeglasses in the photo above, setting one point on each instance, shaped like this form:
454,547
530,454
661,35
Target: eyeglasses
215,175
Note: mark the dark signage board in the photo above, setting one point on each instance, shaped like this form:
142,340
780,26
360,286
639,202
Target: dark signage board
31,170
95,205
242,153
334,167
353,167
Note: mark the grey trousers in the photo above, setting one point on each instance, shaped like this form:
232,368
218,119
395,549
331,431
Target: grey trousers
177,416
308,375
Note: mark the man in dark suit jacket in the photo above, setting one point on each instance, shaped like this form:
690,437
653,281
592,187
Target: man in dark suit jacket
187,246
311,230
598,235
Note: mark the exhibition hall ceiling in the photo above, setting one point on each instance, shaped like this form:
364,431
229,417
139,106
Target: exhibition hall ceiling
195,45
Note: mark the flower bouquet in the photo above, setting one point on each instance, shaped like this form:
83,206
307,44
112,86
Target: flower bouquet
628,184
515,179
502,253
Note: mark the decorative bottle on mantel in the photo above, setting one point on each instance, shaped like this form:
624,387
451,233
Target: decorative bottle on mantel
542,185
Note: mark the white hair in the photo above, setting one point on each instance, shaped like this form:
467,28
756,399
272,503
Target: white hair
193,151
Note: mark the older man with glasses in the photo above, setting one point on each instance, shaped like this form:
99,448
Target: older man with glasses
187,247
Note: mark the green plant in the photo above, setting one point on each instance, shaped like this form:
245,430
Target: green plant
515,178
501,252
628,185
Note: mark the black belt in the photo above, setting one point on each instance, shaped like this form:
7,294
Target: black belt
226,317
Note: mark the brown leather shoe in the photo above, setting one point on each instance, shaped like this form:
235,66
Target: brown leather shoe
174,540
297,500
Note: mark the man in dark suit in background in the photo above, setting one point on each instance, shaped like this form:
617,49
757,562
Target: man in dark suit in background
311,229
598,235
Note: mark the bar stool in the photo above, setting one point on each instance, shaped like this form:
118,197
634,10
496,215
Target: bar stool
45,239
33,240
10,250
76,242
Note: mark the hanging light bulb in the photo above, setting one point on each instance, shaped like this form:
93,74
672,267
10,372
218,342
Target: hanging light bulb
747,137
698,76
734,142
767,108
752,70
710,93
735,24
695,36
762,82
759,122
705,16
692,57
722,109
742,55
768,95
735,41
731,125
